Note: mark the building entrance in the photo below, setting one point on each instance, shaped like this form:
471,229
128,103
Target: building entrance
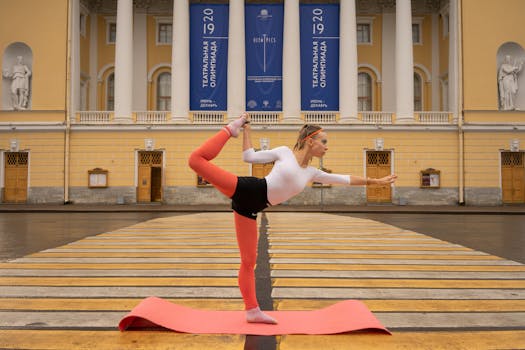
513,177
378,165
149,187
15,190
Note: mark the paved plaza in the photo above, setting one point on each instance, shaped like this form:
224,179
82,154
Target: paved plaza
431,293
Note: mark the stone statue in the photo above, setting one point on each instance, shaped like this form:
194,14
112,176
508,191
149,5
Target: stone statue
20,84
508,83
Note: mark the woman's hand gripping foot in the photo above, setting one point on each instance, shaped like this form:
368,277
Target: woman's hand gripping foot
235,126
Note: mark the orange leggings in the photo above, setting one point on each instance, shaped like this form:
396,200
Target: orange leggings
245,228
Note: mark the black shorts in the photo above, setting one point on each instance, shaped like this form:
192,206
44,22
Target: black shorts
250,196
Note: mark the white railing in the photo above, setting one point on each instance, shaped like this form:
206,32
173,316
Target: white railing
218,117
433,117
265,117
208,117
152,117
315,117
94,117
369,117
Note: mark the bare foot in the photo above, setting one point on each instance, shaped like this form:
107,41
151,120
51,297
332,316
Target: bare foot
257,316
235,126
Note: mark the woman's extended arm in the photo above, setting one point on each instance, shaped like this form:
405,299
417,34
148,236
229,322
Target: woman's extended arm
353,180
361,181
248,153
246,135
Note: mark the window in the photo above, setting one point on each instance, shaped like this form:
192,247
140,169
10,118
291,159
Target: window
445,25
418,92
363,33
82,23
164,92
416,33
83,95
364,92
164,33
110,93
112,33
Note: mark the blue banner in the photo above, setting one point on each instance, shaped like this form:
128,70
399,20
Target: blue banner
264,56
319,57
208,57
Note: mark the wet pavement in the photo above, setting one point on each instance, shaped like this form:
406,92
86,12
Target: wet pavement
23,233
448,298
30,230
498,234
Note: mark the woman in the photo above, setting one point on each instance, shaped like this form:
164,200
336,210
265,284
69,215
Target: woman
250,195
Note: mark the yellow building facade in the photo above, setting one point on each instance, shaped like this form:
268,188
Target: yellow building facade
96,99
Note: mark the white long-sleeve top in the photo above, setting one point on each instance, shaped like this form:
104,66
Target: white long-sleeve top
287,177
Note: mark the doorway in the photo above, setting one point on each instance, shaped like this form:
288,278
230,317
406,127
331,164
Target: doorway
378,165
149,188
16,170
513,177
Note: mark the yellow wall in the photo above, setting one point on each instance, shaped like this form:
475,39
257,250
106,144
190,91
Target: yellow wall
423,53
482,152
423,57
84,47
487,25
156,53
116,151
371,54
42,25
46,152
412,152
443,49
106,52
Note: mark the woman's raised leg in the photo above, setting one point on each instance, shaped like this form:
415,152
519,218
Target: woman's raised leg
200,158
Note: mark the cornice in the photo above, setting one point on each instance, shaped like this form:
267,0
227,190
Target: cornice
33,126
488,127
269,127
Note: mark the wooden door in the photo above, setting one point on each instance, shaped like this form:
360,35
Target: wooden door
378,165
16,168
149,176
144,186
513,177
261,170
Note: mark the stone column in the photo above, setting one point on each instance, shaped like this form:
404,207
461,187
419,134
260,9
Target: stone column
180,62
140,63
453,82
93,62
347,63
124,62
75,60
435,63
404,63
291,63
236,60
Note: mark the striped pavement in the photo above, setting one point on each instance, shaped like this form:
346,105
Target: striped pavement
430,293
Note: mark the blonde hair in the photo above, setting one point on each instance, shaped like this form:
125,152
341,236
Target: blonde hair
307,131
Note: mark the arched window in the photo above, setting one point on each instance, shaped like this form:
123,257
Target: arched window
418,93
110,93
164,92
364,92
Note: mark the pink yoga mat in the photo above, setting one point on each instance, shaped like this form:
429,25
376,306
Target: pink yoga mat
342,317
